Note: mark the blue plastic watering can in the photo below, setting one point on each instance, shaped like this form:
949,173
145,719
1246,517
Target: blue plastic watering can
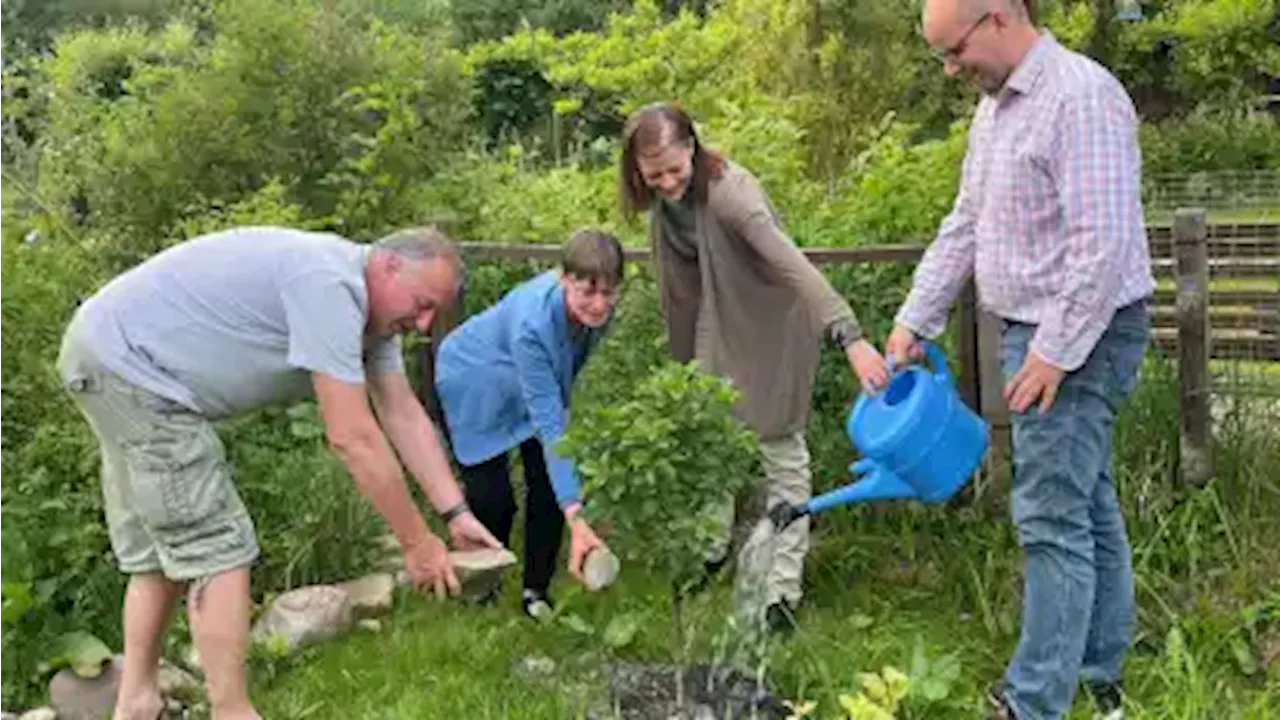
917,440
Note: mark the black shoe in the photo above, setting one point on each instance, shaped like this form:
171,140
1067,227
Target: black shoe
1000,709
781,617
536,604
1108,701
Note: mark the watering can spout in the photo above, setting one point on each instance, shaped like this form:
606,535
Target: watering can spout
876,483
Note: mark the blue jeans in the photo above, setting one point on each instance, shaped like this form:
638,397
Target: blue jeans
1078,598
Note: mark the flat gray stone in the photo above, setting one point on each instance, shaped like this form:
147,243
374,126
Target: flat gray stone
480,571
305,616
79,698
43,713
371,595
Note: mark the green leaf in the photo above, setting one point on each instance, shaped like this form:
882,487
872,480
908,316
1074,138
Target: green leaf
574,622
82,651
1244,656
621,630
17,599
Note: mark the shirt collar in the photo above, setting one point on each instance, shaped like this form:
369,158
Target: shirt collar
1023,78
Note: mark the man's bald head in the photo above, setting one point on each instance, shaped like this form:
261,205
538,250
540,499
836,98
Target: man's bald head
983,40
967,11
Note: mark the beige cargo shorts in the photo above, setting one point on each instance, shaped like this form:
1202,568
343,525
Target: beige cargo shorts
170,503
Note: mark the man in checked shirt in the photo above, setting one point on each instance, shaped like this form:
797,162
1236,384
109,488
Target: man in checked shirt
1049,222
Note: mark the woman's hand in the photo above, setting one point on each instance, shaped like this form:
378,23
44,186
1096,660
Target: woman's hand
582,540
867,364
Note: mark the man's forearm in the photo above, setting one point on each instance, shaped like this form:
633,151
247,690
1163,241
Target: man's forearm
373,466
420,450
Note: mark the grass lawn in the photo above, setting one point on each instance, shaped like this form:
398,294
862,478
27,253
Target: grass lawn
868,604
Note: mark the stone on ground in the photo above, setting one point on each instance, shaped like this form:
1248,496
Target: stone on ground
480,571
43,713
371,595
304,616
77,698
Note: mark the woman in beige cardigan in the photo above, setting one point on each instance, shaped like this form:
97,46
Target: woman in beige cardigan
740,298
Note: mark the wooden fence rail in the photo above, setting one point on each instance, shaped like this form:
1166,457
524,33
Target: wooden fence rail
1192,318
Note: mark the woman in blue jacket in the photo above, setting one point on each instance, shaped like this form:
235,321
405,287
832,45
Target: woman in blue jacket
504,379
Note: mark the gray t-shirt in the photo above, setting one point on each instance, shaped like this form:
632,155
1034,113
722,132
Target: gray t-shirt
237,320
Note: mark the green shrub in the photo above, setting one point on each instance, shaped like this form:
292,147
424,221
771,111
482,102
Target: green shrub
657,465
141,130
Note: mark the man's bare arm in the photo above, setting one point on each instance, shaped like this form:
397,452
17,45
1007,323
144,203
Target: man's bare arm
355,437
415,439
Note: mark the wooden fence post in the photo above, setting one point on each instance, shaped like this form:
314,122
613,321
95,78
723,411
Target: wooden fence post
994,409
1191,268
967,348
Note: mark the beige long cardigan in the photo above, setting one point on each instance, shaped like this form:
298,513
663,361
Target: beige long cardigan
750,307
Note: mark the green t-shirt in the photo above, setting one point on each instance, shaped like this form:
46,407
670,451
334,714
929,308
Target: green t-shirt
684,221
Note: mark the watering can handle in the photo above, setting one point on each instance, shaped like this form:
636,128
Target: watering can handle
938,360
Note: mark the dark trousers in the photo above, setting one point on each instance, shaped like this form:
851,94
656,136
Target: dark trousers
488,489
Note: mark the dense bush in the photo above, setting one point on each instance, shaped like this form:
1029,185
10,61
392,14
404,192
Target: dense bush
138,130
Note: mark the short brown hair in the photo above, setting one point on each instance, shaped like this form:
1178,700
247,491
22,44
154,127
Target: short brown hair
593,255
651,129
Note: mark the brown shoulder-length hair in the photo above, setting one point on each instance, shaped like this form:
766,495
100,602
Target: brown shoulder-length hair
649,130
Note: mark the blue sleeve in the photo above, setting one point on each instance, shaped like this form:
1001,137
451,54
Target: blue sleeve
541,389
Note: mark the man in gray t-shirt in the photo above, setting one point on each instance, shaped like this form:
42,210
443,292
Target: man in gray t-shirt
225,324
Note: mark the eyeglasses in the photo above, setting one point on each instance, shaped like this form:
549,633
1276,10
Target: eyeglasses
955,51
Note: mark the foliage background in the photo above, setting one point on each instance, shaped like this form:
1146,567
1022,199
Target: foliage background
129,125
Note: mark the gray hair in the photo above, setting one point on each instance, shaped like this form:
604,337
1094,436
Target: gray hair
418,244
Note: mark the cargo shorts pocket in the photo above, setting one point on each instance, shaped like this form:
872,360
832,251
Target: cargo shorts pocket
184,494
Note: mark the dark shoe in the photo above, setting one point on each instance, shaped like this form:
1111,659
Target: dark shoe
781,617
536,604
1000,709
1108,701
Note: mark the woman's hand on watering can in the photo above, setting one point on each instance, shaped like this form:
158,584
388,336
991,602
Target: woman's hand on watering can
867,364
903,346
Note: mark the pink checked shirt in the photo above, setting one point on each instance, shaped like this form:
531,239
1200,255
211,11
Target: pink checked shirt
1049,217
